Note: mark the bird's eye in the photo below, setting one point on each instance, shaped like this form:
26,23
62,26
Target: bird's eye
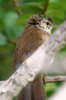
39,20
48,23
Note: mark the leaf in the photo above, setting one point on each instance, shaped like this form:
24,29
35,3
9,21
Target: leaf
2,14
3,40
63,3
11,29
30,4
22,20
54,0
56,11
10,18
50,88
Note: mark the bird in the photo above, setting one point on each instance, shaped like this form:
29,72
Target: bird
37,31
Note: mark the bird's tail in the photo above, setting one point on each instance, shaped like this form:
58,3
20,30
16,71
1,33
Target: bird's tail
33,91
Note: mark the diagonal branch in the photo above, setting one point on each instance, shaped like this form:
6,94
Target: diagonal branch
11,41
34,65
8,39
16,4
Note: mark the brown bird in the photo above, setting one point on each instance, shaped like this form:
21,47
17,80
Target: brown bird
37,31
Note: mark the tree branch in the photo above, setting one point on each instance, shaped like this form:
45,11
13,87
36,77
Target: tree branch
34,65
16,4
51,79
45,7
10,41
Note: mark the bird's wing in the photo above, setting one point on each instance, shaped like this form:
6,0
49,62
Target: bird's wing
27,44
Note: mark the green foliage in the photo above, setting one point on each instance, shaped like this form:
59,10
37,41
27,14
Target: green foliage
30,4
12,25
50,88
2,40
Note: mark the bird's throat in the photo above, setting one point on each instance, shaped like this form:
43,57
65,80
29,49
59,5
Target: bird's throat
45,29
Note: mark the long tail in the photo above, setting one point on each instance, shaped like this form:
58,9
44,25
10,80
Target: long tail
34,91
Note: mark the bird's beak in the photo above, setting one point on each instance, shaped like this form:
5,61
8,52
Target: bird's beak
54,25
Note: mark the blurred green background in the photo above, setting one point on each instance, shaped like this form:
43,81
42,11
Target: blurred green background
13,17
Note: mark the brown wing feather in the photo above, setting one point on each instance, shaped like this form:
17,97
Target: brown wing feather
28,42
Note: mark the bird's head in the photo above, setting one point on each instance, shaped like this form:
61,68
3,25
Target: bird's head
42,23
